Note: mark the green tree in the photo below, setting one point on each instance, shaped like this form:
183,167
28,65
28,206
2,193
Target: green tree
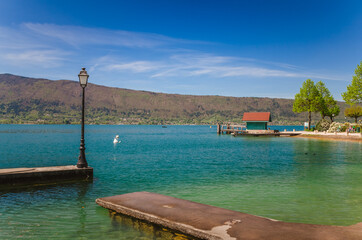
334,111
353,94
354,112
307,100
328,106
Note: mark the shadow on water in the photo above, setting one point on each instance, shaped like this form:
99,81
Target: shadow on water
42,184
75,186
45,207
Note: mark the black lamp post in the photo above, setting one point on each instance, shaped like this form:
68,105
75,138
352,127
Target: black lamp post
83,80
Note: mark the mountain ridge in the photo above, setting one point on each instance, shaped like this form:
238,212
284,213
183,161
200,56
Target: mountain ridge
39,100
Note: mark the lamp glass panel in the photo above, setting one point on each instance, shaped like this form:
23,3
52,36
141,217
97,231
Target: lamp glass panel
83,80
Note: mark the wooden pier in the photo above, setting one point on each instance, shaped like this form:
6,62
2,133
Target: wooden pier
240,130
229,129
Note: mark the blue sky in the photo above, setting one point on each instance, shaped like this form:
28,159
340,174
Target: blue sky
230,48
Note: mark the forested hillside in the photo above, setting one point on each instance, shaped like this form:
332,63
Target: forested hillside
29,100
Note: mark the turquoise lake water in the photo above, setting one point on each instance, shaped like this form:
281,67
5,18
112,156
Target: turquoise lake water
289,179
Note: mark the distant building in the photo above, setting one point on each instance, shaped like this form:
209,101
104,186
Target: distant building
257,120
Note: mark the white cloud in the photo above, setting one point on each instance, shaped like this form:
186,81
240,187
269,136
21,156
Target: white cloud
254,72
19,46
46,58
137,66
219,67
19,39
224,71
202,59
78,36
49,45
206,65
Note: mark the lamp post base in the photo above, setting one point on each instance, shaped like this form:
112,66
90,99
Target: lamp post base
82,162
80,165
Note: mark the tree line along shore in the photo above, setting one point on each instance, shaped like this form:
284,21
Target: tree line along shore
318,99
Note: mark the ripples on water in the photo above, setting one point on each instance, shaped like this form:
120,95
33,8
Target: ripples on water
290,179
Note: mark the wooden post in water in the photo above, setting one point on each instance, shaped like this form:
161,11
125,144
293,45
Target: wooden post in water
218,129
228,127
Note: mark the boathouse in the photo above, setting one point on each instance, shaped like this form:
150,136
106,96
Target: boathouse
257,120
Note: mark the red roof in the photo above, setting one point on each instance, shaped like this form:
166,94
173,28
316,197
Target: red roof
257,116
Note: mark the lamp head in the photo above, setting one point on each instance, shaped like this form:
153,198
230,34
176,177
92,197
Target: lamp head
83,78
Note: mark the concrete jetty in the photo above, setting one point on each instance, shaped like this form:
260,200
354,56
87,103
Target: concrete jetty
209,222
24,176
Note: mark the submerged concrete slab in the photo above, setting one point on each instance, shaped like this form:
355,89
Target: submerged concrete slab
354,137
209,222
15,176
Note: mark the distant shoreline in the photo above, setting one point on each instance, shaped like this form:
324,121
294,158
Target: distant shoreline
165,124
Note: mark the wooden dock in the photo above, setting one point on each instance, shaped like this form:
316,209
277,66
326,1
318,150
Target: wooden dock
275,134
229,128
240,130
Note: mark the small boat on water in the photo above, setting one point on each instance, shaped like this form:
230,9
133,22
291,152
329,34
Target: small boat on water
164,126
